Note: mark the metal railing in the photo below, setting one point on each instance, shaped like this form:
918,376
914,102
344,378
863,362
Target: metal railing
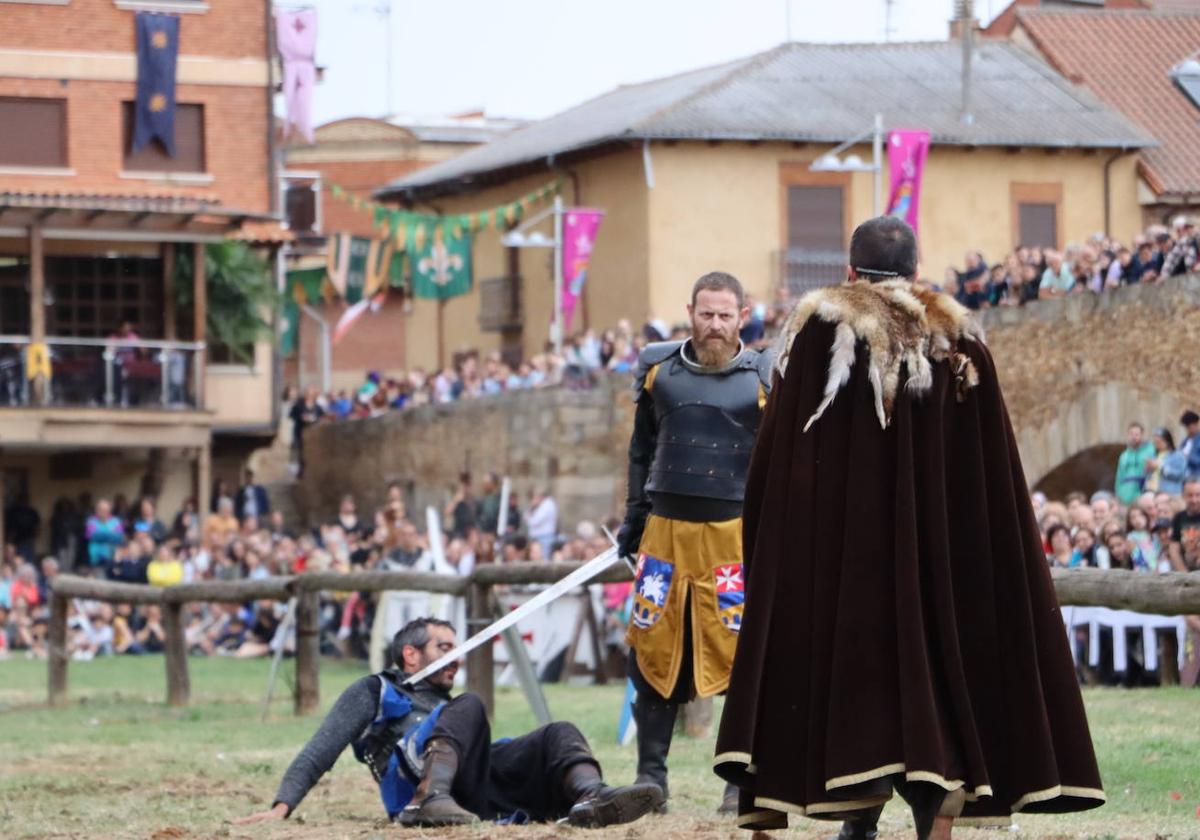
803,269
104,373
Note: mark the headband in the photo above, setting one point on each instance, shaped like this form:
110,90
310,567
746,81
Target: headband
875,272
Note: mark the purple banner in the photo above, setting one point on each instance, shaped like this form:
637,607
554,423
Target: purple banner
579,235
906,163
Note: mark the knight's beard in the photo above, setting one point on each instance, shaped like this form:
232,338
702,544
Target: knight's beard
713,354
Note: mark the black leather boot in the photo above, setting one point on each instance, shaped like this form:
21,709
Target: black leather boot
655,725
729,801
432,805
597,804
865,825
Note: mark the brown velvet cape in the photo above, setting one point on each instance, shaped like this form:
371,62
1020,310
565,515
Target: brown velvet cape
899,615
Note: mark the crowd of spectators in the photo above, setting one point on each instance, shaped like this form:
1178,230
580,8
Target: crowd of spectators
241,537
586,355
1096,266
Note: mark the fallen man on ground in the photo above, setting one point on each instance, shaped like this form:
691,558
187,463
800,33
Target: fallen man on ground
435,762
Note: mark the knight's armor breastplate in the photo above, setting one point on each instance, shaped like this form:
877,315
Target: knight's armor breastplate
706,425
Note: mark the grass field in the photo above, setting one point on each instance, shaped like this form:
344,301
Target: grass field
118,763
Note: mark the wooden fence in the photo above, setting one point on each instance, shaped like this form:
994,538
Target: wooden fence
306,589
1169,594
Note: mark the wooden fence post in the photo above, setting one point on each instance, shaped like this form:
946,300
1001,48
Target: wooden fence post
179,689
308,652
59,656
481,669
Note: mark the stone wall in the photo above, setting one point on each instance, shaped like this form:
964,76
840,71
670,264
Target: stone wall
1075,373
572,442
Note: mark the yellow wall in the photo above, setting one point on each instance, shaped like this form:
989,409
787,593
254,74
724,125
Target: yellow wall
241,395
617,278
112,473
719,207
965,200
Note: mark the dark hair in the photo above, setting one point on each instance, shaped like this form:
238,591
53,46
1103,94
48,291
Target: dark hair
1189,417
1053,530
414,634
719,281
1167,437
884,248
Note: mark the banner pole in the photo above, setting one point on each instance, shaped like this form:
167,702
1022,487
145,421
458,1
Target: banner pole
558,276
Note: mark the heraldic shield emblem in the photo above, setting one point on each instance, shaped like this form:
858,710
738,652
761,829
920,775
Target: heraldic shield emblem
731,594
651,586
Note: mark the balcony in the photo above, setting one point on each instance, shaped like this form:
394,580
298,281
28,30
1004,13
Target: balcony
103,373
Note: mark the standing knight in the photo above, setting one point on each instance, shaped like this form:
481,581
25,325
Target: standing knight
698,406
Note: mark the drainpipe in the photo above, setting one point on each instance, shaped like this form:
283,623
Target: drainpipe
1117,155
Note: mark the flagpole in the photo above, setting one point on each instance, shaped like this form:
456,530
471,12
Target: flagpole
441,335
558,276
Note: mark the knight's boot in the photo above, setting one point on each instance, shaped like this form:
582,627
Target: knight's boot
729,801
432,805
597,804
655,725
864,826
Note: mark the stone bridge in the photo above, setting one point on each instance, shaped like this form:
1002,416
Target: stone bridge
1075,373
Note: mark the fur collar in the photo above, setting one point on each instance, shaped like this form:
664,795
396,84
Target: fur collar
902,324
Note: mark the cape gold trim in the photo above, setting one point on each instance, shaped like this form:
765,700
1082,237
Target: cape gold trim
1056,791
754,818
820,807
739,757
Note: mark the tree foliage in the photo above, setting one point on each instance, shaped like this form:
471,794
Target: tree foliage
242,299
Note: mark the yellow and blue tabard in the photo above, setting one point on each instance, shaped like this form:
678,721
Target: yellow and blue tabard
677,559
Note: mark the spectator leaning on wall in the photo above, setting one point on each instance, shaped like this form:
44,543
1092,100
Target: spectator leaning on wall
1131,466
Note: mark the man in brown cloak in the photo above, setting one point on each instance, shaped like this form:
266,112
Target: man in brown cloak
900,628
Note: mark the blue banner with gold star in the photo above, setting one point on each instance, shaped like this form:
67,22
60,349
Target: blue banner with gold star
157,50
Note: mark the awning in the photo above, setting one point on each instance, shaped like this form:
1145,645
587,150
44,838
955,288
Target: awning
141,217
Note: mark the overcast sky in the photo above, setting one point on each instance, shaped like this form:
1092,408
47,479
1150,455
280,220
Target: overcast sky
533,58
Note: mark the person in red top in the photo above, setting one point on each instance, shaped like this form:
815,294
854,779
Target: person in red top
25,586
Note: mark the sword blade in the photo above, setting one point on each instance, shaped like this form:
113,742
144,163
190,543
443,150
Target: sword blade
580,576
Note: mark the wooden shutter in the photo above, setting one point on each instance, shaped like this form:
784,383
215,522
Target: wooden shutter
153,157
33,132
1037,224
815,216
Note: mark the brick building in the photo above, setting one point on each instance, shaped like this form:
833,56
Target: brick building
89,235
358,154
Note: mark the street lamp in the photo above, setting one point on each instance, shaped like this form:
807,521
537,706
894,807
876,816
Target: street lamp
1186,76
522,237
831,162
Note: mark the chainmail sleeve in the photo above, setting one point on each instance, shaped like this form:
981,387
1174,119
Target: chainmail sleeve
350,715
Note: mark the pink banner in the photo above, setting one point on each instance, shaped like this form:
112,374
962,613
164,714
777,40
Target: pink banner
296,37
579,235
906,163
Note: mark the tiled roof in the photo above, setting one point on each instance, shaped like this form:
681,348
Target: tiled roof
263,233
819,93
145,212
142,201
1125,57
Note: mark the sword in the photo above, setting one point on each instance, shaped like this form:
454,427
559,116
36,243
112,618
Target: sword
580,576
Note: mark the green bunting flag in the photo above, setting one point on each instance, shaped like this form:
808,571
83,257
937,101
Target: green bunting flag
440,261
303,286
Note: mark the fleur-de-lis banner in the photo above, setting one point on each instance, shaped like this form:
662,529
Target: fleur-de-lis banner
157,51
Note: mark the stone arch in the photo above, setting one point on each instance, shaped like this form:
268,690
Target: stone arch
1089,425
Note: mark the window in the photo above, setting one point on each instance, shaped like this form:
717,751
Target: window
816,217
94,295
34,133
301,208
153,157
14,296
1036,214
1037,224
223,354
